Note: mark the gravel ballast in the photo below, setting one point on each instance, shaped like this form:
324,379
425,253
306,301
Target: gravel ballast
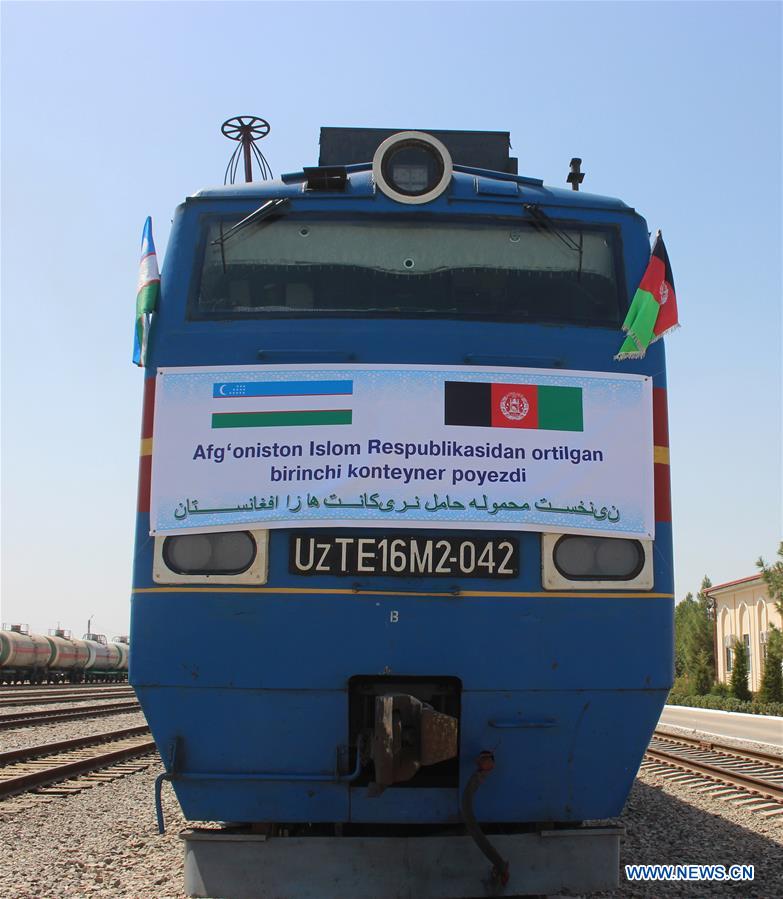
66,705
670,824
22,737
104,842
100,842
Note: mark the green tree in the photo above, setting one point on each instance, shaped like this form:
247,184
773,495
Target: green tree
694,640
739,673
771,688
702,674
773,577
682,611
705,653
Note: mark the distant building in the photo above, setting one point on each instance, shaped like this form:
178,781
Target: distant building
743,611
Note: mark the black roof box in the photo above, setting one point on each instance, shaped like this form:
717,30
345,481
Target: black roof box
477,149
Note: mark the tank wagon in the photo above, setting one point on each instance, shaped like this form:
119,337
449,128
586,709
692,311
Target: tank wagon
409,521
59,658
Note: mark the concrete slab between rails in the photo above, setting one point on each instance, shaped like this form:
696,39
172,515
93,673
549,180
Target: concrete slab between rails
221,864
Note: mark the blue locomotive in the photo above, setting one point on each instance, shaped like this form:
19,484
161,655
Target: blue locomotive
403,579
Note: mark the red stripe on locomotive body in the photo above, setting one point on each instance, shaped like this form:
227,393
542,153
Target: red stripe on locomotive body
148,408
145,480
663,492
661,471
660,417
145,461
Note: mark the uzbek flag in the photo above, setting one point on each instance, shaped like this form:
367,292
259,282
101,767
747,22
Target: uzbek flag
146,294
282,404
653,311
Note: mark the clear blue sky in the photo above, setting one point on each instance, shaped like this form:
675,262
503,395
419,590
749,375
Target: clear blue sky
111,112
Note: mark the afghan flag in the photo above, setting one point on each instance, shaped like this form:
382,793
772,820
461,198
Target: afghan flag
653,311
146,294
533,406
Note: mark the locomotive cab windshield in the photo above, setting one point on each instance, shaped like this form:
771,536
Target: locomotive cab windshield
490,270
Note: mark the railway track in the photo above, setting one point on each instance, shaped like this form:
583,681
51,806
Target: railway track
9,690
64,687
743,777
46,687
47,716
48,768
62,696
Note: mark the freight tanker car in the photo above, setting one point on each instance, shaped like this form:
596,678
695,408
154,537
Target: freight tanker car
59,658
403,573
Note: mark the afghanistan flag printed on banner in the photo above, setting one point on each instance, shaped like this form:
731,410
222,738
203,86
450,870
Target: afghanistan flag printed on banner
653,311
146,294
532,406
282,404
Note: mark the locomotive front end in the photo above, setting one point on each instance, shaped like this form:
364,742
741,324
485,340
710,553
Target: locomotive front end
403,551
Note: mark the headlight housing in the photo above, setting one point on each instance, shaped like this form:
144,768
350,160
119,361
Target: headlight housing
582,562
412,167
225,556
222,553
598,558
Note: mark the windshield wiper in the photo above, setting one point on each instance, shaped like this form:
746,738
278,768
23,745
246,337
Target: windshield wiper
543,222
265,211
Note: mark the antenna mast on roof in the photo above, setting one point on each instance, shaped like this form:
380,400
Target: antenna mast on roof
576,176
246,129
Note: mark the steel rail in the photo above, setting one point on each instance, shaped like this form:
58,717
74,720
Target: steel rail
64,684
49,699
12,686
708,744
719,773
27,719
58,686
63,689
42,749
67,768
53,687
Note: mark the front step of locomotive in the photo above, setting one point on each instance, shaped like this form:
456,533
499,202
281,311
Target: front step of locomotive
240,864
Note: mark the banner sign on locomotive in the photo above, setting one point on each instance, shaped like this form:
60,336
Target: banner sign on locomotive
515,449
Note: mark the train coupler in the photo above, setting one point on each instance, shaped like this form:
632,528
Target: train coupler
407,735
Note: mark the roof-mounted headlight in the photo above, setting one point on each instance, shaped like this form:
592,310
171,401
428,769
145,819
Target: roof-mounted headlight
412,167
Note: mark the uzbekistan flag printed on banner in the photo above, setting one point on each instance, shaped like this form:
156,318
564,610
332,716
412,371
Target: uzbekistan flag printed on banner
653,311
282,404
146,294
533,406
